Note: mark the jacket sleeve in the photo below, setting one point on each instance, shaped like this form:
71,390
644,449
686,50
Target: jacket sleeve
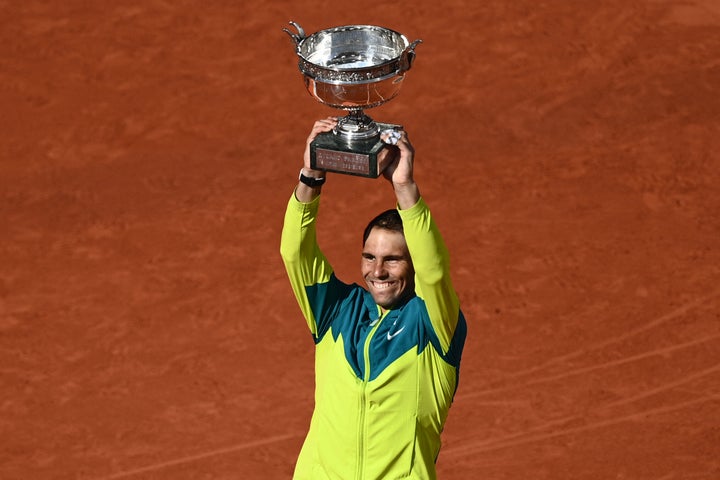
305,264
431,261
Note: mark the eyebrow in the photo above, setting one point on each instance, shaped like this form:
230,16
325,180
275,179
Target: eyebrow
369,255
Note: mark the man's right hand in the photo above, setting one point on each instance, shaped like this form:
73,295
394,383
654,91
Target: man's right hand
305,193
321,126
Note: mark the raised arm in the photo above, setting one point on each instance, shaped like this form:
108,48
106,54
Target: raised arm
430,257
304,262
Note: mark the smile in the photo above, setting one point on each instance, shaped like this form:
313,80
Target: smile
382,285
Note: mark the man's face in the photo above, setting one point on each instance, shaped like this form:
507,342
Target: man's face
387,268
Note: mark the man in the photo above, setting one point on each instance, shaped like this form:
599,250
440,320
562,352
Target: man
387,357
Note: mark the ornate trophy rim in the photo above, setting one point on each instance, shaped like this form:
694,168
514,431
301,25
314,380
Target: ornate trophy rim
397,65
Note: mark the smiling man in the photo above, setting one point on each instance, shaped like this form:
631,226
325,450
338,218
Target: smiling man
387,356
386,264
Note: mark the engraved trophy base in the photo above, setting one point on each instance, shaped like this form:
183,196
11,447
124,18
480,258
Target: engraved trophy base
334,152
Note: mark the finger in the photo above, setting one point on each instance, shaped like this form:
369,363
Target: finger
325,125
322,126
403,142
327,121
391,136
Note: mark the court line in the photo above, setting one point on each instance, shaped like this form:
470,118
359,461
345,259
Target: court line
579,371
202,456
683,309
664,387
565,420
513,440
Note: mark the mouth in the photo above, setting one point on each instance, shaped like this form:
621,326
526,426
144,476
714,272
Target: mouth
381,285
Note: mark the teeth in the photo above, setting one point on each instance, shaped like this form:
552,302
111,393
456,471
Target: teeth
381,285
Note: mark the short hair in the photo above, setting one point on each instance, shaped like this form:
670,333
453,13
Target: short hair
389,220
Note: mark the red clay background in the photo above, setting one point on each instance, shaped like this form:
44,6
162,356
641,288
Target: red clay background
569,151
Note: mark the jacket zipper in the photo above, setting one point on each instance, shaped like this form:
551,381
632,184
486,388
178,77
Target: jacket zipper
363,399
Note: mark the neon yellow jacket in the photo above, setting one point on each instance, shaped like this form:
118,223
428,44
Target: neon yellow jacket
383,385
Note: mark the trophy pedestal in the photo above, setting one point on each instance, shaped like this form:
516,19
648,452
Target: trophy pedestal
335,153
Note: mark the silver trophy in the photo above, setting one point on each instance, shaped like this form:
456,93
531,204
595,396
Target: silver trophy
352,68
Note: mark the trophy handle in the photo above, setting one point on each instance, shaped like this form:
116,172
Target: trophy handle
296,37
408,56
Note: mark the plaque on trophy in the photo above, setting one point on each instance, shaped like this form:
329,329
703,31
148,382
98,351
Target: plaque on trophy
352,68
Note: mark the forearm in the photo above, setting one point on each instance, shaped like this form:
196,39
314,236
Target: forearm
407,194
305,192
427,247
400,170
432,270
311,181
304,262
298,244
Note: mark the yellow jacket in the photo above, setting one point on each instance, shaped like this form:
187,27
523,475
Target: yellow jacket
383,384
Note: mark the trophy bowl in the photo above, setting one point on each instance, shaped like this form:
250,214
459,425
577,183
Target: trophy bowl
353,68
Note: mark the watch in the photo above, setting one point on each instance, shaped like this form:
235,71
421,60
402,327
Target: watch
312,182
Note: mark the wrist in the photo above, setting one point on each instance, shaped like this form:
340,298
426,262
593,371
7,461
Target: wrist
309,172
311,178
407,194
404,184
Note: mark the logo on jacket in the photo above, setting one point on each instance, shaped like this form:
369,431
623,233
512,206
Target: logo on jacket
391,336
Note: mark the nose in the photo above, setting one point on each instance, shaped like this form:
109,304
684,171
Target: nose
379,270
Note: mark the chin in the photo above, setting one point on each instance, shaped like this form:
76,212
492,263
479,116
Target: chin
384,302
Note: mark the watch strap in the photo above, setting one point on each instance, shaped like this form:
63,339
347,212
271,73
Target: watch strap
312,182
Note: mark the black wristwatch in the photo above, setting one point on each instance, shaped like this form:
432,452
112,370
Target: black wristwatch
311,181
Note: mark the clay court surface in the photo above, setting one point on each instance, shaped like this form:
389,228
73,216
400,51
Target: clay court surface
569,151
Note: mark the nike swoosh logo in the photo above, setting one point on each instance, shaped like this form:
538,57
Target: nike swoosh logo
390,337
